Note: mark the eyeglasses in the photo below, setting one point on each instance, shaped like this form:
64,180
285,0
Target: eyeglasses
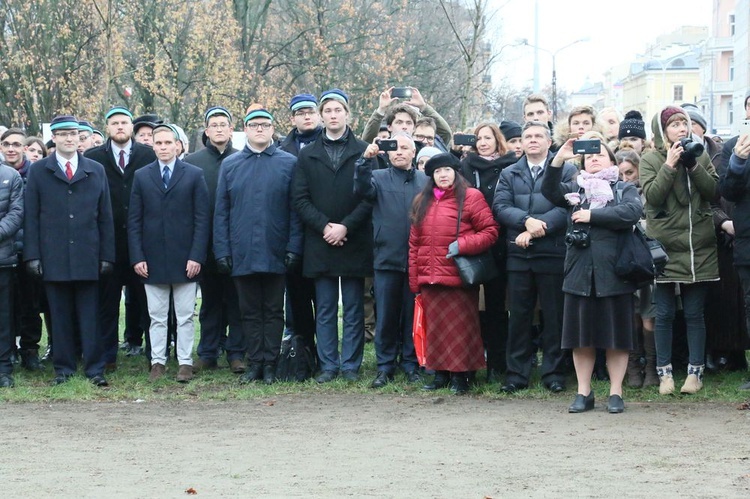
66,135
14,145
305,114
218,126
264,126
425,138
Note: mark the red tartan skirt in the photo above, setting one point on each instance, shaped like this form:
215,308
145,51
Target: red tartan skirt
453,339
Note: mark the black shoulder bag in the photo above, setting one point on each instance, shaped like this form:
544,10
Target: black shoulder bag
640,259
474,269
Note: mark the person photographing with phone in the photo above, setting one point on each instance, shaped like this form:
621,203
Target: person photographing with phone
598,310
679,183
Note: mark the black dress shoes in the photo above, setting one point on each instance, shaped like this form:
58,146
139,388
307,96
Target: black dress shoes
269,374
326,377
413,376
382,379
350,376
253,373
556,386
512,387
6,380
441,380
99,380
582,403
60,379
615,404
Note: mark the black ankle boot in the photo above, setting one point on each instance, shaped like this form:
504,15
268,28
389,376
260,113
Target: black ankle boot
441,380
459,383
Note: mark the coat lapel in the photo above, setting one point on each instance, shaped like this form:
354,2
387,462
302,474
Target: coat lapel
179,171
155,174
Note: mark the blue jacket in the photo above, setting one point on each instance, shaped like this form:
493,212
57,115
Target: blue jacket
254,221
168,227
68,224
391,192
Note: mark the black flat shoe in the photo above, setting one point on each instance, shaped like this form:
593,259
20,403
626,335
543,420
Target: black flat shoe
512,387
556,386
441,380
582,403
99,380
615,404
60,379
382,379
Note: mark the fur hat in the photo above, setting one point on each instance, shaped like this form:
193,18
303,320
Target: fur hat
632,126
444,159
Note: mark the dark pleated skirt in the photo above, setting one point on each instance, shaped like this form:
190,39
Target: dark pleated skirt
453,340
598,322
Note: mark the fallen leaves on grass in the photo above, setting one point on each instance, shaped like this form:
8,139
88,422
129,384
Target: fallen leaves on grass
191,491
745,406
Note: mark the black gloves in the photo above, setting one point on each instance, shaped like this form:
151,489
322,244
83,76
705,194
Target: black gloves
688,161
34,267
293,262
106,268
224,265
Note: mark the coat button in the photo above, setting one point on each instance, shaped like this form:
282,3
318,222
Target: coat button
71,241
71,215
70,192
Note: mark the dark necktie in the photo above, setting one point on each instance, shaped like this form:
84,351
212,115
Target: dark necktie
165,176
122,161
68,170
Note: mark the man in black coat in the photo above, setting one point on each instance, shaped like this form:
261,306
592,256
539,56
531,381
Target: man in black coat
69,241
121,157
219,306
338,236
300,290
168,241
535,230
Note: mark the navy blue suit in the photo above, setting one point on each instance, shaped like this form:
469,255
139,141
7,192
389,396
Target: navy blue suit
168,226
68,226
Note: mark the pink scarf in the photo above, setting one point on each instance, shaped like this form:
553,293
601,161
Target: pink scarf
439,193
597,186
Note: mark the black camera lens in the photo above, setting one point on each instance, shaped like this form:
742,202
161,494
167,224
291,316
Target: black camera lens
694,149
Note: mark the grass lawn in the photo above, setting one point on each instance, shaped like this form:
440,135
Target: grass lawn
130,383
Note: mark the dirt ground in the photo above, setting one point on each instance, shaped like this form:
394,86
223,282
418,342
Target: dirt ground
373,446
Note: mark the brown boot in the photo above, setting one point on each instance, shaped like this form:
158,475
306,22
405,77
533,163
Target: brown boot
650,378
157,371
185,373
635,376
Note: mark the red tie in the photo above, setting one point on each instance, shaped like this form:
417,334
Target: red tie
68,170
122,161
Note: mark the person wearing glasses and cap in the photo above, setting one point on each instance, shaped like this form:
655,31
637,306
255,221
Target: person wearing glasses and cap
121,157
219,307
256,236
68,242
168,241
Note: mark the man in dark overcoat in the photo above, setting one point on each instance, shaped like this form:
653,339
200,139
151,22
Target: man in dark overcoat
69,242
168,241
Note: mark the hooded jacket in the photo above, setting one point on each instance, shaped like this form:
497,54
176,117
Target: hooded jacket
678,211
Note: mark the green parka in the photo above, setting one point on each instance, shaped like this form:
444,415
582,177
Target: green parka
678,211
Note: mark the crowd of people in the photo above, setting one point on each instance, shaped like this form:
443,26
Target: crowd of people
280,233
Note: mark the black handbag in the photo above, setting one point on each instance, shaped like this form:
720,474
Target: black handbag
640,259
474,269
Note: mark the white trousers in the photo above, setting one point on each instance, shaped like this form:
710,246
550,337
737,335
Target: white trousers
158,310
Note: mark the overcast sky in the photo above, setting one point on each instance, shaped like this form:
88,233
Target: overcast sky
617,31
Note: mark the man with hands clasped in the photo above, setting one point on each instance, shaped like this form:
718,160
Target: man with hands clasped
535,232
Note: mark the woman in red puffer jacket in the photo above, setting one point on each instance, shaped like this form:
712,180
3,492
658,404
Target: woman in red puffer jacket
453,340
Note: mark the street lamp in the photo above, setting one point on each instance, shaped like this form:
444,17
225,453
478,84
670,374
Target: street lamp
554,68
